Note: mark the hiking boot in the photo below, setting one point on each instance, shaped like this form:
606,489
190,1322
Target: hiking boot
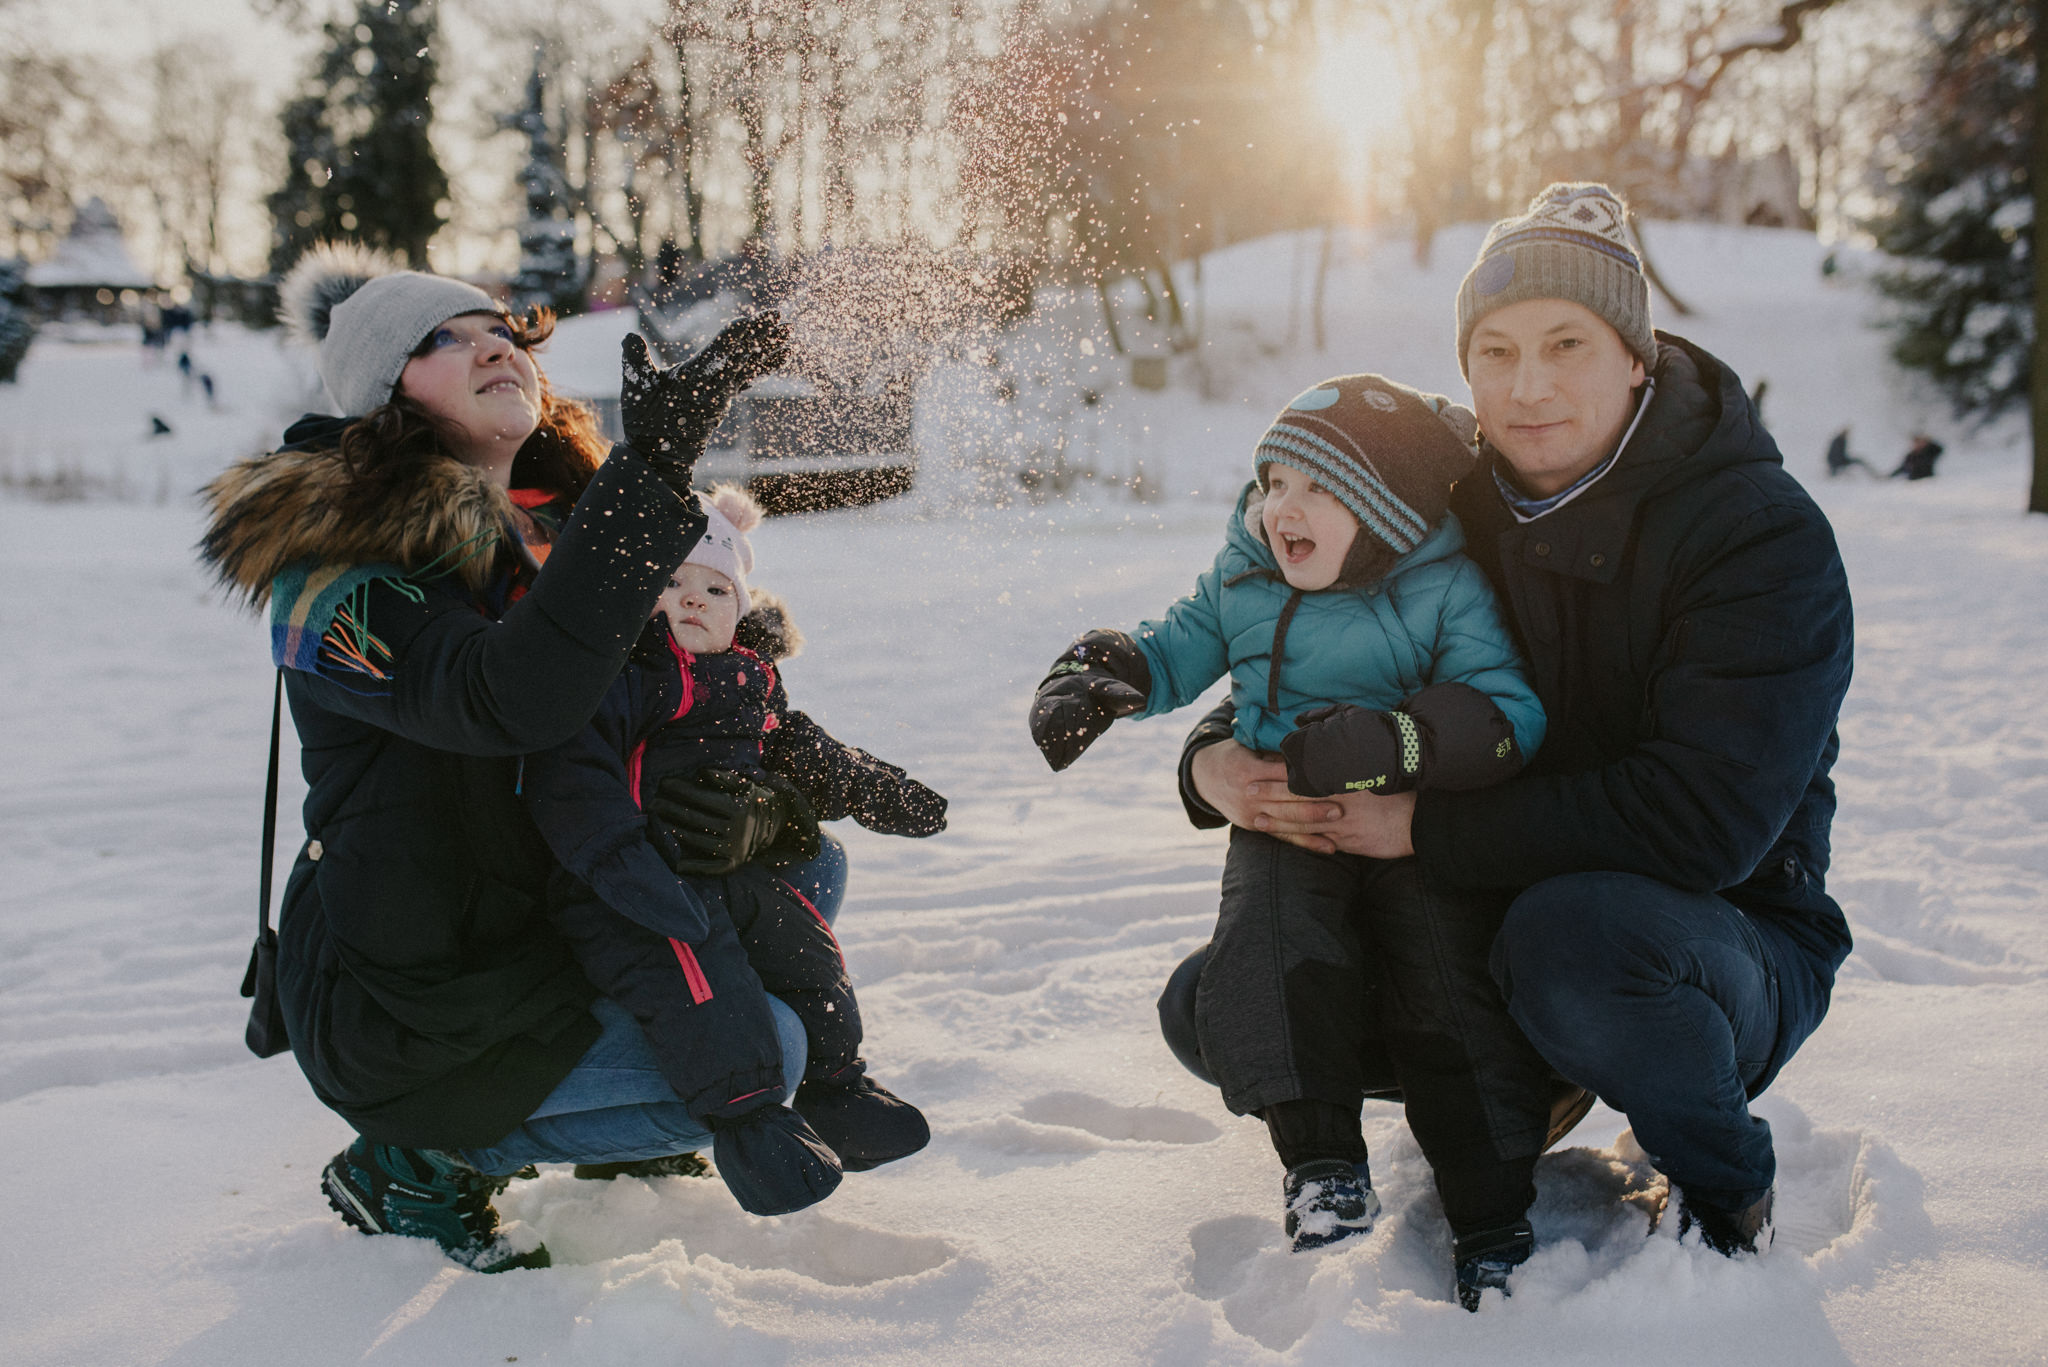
673,1165
498,1184
1328,1201
425,1194
1745,1231
866,1124
1485,1260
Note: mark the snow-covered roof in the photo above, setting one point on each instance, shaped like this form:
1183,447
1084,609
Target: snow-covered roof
92,254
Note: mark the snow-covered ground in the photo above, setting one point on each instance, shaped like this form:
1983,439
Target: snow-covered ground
1084,1200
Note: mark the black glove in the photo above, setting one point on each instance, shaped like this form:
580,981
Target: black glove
1448,736
1347,749
1101,677
668,414
710,823
899,807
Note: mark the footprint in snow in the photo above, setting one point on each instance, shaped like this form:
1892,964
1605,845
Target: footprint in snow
1073,1124
1846,1207
595,1222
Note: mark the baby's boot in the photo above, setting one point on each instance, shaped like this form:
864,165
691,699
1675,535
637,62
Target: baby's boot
772,1162
866,1124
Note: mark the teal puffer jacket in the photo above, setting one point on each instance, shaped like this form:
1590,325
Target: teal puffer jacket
1432,619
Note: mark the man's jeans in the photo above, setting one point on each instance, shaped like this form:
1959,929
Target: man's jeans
615,1106
1671,1006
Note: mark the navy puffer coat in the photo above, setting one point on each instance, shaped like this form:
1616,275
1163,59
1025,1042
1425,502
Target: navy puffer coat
1687,624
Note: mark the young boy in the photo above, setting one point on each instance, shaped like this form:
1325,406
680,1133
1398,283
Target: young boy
696,960
1365,648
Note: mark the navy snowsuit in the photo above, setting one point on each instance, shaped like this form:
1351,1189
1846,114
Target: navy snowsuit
696,959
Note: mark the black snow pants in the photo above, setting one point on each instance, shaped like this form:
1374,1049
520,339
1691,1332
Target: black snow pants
705,1006
1335,977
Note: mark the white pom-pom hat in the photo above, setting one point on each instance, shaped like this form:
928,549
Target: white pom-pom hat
367,315
729,513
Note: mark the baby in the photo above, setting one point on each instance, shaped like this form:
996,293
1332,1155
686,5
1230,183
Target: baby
695,960
1368,651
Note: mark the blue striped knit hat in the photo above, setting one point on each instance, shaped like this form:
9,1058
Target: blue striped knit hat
1572,244
1387,452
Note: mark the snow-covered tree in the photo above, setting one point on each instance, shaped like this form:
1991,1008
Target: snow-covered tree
360,162
1963,211
549,274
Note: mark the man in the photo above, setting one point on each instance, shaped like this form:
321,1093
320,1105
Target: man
1669,943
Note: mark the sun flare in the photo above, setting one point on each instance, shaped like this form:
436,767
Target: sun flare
1359,84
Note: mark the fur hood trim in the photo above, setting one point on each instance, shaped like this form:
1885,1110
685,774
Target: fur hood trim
768,630
273,511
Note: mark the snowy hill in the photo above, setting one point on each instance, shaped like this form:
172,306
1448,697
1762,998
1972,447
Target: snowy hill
1084,1201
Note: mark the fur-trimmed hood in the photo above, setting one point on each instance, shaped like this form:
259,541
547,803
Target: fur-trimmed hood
279,509
768,630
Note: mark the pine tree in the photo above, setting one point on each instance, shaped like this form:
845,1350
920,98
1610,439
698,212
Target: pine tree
1963,215
548,274
361,164
17,320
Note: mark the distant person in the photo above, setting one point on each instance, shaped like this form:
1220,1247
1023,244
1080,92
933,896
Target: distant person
1665,938
153,334
1839,459
1919,459
206,387
1364,646
185,372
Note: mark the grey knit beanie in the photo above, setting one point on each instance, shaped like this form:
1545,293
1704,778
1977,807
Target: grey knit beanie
1572,244
1387,452
366,315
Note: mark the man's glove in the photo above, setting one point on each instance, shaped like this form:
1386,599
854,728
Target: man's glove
1448,736
711,823
668,414
1101,677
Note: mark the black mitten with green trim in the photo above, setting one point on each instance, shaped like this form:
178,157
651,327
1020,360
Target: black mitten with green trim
1101,677
1448,736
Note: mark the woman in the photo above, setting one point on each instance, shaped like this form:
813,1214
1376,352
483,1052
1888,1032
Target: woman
423,650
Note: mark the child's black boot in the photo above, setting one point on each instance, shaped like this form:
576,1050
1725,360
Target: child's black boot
1328,1201
866,1124
772,1162
1485,1260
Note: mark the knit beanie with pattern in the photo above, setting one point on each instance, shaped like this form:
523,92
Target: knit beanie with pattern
367,316
1572,244
1387,452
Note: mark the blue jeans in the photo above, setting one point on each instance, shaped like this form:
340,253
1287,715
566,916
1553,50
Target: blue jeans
1674,1007
614,1106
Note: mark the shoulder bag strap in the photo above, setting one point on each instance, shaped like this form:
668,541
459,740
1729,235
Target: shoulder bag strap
270,812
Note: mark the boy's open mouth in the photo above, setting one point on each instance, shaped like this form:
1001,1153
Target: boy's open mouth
1295,549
